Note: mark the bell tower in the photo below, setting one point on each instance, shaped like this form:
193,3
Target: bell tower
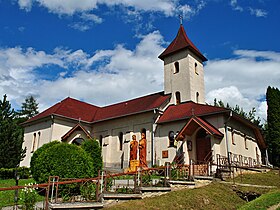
183,70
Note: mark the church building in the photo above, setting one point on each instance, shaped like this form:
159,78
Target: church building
179,126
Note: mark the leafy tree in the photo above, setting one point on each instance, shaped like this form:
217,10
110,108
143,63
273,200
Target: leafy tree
91,146
273,125
251,115
29,108
11,137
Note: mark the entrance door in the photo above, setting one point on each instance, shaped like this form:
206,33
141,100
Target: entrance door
203,145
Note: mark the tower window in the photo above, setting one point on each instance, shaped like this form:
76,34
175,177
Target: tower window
178,97
176,65
195,68
197,97
121,140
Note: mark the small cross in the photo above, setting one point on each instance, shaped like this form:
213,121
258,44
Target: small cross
181,19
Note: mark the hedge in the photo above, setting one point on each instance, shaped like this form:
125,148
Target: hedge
9,173
63,160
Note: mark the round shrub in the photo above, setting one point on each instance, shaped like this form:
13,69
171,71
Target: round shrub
91,146
63,160
37,153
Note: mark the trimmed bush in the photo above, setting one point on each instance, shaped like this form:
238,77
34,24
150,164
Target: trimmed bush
63,160
91,146
37,153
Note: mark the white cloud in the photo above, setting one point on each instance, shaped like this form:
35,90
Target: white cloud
106,77
25,4
243,79
69,7
91,17
258,12
235,6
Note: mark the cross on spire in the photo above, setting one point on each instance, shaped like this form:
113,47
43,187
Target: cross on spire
181,19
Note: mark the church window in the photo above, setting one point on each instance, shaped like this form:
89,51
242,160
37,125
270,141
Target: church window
176,65
78,141
178,97
171,137
232,137
197,97
121,141
100,140
34,142
245,142
39,135
195,68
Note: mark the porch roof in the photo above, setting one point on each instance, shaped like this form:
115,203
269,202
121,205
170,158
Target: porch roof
75,128
196,122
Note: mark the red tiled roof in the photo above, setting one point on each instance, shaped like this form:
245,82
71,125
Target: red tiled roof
70,108
196,122
188,109
133,106
181,41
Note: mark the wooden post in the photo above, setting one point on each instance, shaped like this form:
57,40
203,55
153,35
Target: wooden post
97,187
105,181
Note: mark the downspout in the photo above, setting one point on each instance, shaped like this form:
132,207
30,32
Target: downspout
226,132
154,127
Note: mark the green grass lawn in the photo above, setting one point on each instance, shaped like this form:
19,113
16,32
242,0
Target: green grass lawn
214,196
264,201
7,197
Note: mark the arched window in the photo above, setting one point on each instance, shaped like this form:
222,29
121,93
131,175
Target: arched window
197,97
78,141
176,65
121,140
178,97
195,68
171,137
39,136
100,140
34,142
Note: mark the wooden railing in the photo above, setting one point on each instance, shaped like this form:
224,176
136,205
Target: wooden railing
236,160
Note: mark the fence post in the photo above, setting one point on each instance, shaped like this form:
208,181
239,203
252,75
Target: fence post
97,188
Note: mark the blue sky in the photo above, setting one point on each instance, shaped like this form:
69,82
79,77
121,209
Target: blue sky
105,51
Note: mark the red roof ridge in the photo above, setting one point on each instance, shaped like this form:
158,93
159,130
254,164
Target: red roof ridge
181,42
137,98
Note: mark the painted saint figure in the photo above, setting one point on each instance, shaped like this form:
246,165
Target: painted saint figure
143,150
133,148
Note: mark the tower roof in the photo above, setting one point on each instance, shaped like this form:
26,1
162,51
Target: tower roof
181,42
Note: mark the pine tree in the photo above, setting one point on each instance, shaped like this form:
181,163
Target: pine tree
273,125
11,137
29,108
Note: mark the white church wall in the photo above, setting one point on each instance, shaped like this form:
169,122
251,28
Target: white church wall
173,81
196,75
35,136
130,125
237,134
162,142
